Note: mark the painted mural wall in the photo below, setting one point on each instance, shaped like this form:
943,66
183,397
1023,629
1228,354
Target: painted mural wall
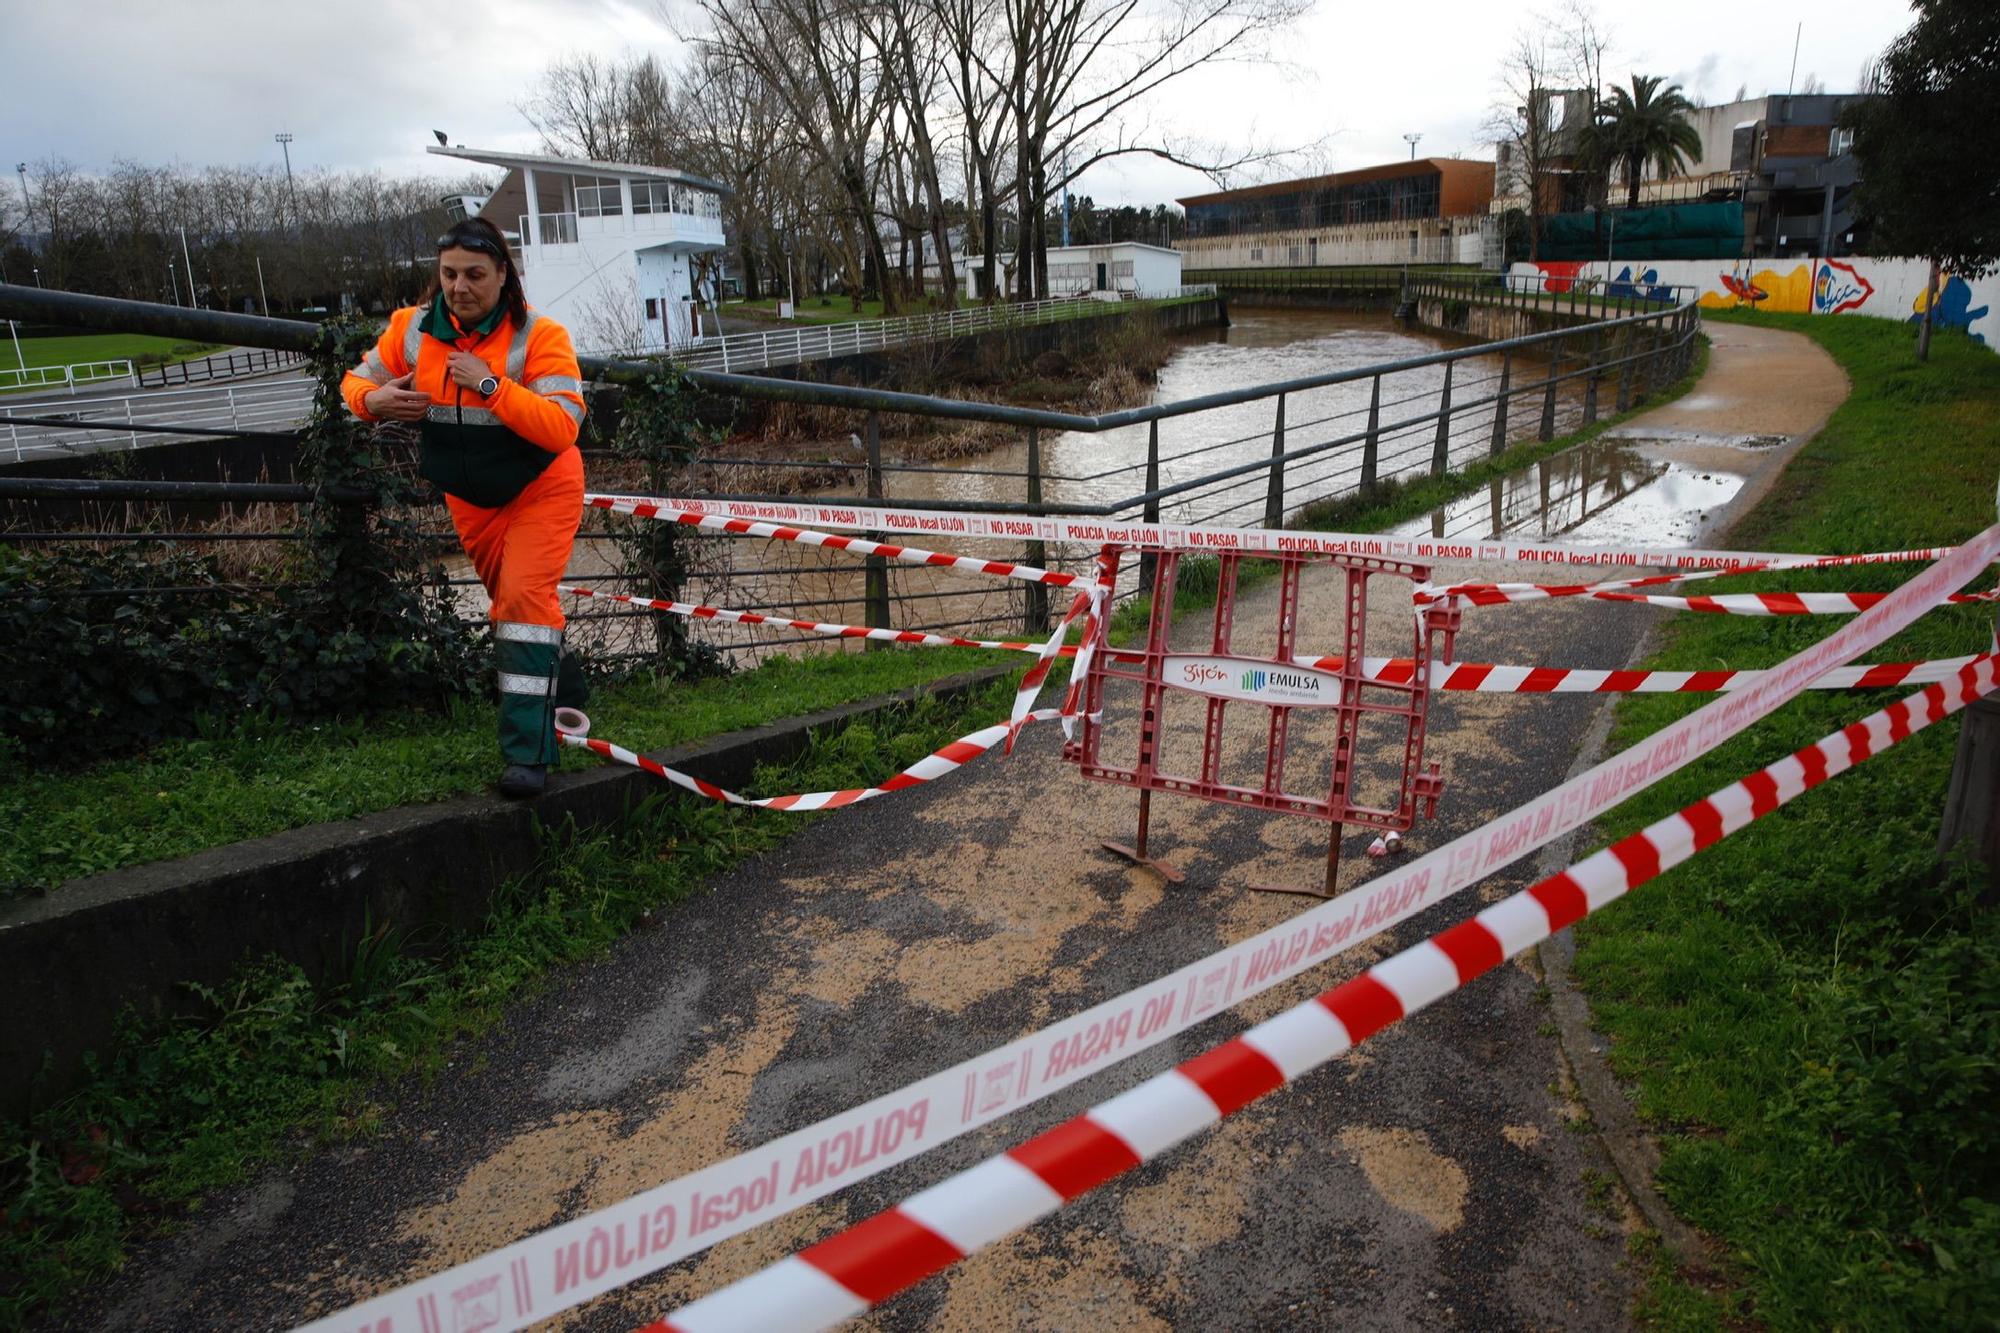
1884,288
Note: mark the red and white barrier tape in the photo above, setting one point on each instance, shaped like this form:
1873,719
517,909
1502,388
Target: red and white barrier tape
868,1263
928,769
1482,677
1492,678
914,637
1489,594
764,518
1780,603
911,555
574,1261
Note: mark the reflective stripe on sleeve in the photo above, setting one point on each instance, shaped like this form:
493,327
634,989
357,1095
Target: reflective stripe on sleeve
373,368
547,384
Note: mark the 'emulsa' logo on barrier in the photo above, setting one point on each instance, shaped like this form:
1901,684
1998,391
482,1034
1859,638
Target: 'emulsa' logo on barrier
1252,682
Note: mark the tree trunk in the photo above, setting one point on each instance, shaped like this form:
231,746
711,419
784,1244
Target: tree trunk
1930,304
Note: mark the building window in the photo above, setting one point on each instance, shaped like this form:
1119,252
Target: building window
1841,143
652,307
1294,253
1256,254
598,198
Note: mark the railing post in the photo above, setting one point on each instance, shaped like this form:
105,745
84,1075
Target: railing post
1370,445
1037,554
875,592
1625,370
230,393
1548,430
1499,444
128,421
1149,561
1441,449
1274,491
1590,381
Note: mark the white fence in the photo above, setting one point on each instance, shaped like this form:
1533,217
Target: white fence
60,377
98,424
799,343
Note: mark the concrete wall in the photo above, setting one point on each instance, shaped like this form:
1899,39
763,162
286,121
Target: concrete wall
1882,288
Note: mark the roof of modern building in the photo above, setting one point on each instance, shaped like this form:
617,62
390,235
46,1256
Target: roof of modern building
579,166
1421,166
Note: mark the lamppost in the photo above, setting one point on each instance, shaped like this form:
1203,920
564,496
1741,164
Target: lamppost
1411,140
173,282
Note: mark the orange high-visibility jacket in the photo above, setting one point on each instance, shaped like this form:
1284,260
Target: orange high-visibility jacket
482,450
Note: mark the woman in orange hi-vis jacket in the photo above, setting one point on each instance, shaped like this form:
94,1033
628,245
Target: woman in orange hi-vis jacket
499,400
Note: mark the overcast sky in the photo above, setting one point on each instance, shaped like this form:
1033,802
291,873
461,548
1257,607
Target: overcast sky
362,83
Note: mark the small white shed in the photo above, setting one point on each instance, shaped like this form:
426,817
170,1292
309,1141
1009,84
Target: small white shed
1122,268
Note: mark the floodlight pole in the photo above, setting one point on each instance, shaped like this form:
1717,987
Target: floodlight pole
192,299
291,192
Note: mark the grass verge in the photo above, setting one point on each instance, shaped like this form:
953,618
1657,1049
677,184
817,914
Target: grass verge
256,776
1810,1012
274,1064
74,349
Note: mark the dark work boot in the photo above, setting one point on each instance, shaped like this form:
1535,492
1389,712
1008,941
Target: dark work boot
521,780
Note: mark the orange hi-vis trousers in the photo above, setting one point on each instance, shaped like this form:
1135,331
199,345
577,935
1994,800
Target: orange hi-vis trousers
520,550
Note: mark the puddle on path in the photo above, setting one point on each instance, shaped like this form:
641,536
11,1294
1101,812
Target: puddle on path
1665,488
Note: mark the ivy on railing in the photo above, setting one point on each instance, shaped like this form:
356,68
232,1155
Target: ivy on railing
659,427
105,651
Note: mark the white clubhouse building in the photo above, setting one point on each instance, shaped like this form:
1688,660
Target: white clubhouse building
613,250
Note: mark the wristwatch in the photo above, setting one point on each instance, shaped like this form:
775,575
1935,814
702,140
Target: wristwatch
488,387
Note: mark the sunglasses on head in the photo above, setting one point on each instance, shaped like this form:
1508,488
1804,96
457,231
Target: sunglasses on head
479,243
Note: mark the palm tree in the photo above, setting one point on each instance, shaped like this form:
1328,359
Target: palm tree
1646,124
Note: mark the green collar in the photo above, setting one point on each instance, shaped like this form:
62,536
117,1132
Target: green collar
438,323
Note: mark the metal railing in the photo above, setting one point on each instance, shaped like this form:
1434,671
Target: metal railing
66,377
1261,454
801,343
131,421
219,366
1583,296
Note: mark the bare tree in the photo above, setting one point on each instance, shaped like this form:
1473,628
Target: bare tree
1524,127
819,58
1081,67
907,36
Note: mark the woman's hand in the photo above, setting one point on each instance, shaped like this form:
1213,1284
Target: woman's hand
466,370
397,401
